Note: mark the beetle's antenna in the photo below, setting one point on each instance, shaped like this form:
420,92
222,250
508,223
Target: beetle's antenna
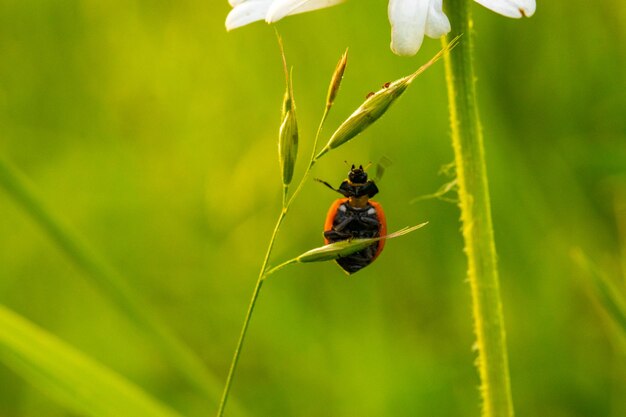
328,185
369,164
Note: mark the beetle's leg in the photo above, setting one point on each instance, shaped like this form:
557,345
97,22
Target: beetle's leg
342,225
329,186
370,221
335,236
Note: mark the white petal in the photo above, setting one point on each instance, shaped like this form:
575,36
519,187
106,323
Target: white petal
235,2
282,8
247,12
408,24
437,23
511,8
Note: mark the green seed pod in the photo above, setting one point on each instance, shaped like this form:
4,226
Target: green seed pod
335,82
336,250
348,247
371,110
288,138
376,105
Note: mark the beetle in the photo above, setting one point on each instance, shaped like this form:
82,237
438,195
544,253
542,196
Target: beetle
356,216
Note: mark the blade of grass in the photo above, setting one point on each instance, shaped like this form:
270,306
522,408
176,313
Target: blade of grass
111,284
611,299
68,376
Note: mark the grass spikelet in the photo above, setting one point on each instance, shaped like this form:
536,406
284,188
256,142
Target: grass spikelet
342,248
335,81
288,133
376,105
288,139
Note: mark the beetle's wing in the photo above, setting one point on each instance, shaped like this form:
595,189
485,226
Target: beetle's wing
330,217
381,166
383,226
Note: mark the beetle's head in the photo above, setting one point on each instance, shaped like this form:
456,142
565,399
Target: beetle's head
357,175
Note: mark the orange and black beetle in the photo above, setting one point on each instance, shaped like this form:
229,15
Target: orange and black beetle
356,216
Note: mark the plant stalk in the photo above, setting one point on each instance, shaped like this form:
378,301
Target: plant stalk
265,270
477,226
246,321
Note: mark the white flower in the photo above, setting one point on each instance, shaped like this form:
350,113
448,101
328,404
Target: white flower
410,19
510,8
248,11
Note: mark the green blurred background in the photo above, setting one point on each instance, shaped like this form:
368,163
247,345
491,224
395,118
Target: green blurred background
153,132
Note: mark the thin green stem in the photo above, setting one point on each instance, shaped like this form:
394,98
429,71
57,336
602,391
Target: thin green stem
285,195
278,267
253,299
246,321
476,217
313,159
109,281
318,133
264,268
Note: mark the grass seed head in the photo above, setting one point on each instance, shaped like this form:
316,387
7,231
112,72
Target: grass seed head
376,105
288,133
288,138
335,82
335,250
372,109
343,248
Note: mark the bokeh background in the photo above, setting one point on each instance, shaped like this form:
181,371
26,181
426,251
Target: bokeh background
153,133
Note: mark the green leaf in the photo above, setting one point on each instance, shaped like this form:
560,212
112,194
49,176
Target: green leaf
69,376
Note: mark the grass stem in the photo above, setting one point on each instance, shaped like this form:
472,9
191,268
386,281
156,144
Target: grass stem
265,266
476,217
246,321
